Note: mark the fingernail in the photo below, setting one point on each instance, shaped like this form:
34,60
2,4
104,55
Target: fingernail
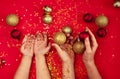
52,44
28,34
45,33
38,32
78,39
87,39
86,29
32,35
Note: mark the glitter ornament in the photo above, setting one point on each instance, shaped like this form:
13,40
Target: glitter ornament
101,32
101,21
78,47
47,9
117,4
12,19
47,19
16,34
59,38
83,35
67,29
88,17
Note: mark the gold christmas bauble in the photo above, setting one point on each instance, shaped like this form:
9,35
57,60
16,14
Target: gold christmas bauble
47,19
12,19
78,47
101,21
67,29
59,38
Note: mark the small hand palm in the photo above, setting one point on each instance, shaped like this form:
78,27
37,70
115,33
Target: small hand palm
27,45
41,44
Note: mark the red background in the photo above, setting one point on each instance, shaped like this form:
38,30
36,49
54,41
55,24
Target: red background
65,12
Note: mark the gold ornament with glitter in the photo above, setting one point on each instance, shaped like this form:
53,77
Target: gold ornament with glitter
47,19
12,19
59,38
101,21
67,29
78,47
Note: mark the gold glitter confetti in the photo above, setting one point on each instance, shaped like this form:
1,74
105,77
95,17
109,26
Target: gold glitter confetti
3,54
36,14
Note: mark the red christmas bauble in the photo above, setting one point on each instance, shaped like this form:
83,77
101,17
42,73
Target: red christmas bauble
16,34
83,35
101,32
88,17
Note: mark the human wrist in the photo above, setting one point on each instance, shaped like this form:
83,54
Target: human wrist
30,54
27,57
40,53
89,63
41,56
88,60
68,62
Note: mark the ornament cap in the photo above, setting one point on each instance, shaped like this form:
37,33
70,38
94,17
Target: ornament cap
47,9
117,4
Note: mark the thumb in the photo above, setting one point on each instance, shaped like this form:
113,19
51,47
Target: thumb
48,48
57,47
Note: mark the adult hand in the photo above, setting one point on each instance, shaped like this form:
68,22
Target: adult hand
65,52
91,47
41,47
27,45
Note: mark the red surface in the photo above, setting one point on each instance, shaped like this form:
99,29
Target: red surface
65,12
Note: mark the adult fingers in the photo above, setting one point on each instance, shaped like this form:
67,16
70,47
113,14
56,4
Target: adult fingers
32,38
39,36
48,48
94,42
25,38
45,37
87,45
57,47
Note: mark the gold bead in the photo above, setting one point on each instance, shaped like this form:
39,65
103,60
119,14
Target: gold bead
78,47
47,19
12,19
59,38
101,21
67,29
